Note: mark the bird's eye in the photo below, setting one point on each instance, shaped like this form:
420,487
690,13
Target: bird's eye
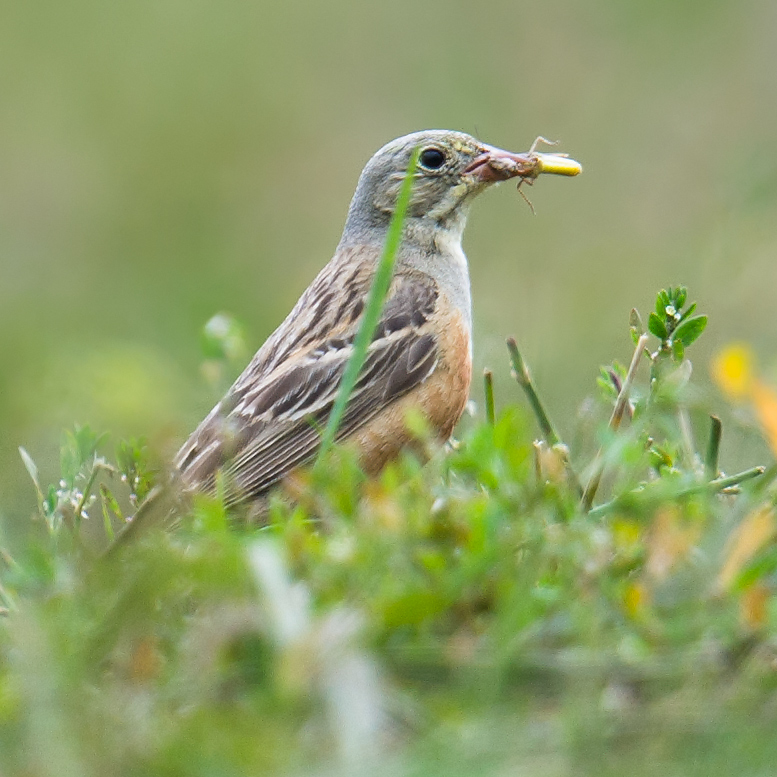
432,158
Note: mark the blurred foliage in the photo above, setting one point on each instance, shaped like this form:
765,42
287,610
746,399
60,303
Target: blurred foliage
160,162
463,616
163,161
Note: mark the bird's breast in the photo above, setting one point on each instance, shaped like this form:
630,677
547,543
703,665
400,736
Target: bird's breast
440,398
445,263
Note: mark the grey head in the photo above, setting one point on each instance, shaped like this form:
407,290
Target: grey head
453,168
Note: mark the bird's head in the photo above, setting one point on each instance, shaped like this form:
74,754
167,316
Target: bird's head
452,168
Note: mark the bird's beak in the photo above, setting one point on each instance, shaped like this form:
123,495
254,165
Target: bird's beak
494,165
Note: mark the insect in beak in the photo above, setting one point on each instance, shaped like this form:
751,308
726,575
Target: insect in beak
495,164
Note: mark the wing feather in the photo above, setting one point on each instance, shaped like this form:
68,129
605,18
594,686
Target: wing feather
271,420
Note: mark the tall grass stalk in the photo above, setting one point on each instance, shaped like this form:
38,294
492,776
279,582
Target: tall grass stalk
373,309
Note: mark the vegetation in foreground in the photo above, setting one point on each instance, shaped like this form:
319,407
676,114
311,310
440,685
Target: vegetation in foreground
510,607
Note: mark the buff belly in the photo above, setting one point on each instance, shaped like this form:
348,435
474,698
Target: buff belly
441,400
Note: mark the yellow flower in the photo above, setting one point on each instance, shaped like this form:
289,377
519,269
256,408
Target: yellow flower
732,370
635,599
765,402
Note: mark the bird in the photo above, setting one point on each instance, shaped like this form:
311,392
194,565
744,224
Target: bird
420,358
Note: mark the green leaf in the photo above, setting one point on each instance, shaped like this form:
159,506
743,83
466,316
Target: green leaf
109,504
662,300
660,458
77,449
32,470
50,502
413,607
87,443
608,379
132,462
657,326
763,564
636,327
69,460
688,312
30,466
690,329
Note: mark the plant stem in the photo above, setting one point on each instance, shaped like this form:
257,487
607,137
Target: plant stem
488,384
713,448
96,469
686,436
537,450
720,484
623,396
153,510
521,374
615,421
712,487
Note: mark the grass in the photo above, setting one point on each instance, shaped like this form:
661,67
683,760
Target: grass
373,307
467,615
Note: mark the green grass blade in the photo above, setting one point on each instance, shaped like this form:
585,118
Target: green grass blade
488,384
375,300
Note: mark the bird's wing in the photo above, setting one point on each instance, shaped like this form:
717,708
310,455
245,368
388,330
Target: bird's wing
272,419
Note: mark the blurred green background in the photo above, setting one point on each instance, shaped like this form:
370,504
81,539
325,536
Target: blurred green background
163,161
